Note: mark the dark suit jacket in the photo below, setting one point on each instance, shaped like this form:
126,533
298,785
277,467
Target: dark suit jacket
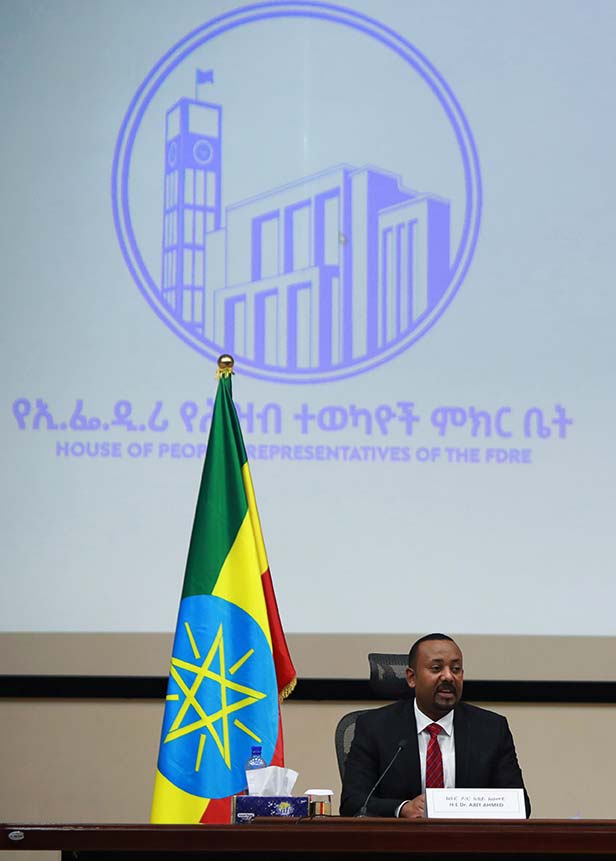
485,757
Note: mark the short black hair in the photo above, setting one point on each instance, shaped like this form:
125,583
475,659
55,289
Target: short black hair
417,643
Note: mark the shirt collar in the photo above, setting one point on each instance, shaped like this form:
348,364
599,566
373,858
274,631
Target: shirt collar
423,720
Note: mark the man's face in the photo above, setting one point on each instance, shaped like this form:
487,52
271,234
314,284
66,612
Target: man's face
437,678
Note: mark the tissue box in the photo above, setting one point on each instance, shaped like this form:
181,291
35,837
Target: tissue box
244,808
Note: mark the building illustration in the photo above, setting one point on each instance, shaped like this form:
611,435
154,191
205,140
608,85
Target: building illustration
316,274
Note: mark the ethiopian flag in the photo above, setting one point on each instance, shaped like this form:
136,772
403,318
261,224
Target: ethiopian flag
230,667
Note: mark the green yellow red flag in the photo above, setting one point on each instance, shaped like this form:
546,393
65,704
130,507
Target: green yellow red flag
230,667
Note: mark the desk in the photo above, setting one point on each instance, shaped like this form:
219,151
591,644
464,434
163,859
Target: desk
332,838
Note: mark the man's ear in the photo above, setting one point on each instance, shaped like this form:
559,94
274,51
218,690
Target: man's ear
410,677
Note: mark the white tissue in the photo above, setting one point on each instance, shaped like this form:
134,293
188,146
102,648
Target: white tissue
271,781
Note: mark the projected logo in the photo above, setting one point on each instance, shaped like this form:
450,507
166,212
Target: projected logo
313,276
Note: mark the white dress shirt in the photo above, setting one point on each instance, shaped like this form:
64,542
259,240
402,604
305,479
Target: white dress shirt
446,743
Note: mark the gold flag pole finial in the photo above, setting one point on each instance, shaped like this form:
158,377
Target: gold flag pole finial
225,366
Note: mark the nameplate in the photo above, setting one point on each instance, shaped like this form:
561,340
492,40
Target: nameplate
475,804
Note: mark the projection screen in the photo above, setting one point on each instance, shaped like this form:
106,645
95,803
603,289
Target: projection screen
399,219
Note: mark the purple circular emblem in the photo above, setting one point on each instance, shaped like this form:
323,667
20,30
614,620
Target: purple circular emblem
311,279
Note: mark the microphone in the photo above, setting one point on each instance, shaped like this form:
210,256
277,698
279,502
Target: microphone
363,810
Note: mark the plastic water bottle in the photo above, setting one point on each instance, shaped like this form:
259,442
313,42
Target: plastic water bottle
256,760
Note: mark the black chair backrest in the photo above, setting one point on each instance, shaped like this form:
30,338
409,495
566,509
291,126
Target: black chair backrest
345,733
387,682
388,675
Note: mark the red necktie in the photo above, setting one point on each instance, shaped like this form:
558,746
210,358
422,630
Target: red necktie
434,760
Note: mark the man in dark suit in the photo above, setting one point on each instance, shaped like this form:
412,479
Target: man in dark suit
475,745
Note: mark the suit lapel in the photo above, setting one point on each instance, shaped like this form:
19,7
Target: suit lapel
410,755
462,743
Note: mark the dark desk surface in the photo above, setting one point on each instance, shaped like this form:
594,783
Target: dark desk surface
323,838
